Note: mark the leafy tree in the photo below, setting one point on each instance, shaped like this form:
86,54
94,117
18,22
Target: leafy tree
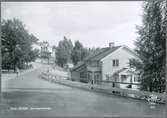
79,53
54,48
34,54
76,55
85,54
6,64
63,52
16,44
150,46
93,51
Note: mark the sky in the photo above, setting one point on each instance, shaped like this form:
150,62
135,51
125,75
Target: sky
94,24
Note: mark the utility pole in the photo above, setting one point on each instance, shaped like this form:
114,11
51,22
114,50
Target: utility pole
0,64
166,65
2,104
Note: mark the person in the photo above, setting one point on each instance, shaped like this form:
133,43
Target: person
92,82
17,71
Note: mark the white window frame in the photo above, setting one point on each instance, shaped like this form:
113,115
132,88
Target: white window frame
115,62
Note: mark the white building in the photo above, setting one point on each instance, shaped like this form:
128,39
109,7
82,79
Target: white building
111,63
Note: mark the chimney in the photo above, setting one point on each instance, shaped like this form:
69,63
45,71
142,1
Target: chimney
111,44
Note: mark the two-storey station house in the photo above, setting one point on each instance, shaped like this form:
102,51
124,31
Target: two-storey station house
110,63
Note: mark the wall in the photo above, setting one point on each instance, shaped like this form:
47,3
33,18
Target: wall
75,76
123,54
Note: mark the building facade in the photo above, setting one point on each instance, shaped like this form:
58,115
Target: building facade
109,64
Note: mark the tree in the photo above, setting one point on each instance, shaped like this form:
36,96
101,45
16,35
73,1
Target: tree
76,55
85,54
63,52
16,44
54,48
34,54
150,46
79,53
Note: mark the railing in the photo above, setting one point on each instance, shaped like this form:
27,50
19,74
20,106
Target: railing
105,89
108,81
130,84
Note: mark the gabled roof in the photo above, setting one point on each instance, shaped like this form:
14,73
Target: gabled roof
102,53
97,52
124,46
78,65
119,71
97,56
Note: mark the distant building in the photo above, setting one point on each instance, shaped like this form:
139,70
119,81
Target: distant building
111,63
53,50
69,65
47,53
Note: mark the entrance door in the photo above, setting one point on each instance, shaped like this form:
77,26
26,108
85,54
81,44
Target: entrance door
97,77
89,76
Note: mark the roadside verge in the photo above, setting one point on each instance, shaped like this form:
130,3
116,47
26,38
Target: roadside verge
142,95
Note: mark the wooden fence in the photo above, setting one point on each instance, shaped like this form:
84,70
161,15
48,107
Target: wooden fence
105,89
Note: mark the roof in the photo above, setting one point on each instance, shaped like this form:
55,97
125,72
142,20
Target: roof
127,70
78,65
119,71
102,53
97,56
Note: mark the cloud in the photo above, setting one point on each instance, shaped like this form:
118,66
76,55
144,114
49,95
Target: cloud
93,23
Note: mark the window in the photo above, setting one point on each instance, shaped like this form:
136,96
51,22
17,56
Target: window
123,78
136,79
82,75
131,61
115,62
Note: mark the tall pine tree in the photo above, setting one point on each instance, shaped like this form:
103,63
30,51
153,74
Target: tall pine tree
150,46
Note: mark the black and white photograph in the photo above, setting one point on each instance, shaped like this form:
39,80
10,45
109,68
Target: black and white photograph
83,59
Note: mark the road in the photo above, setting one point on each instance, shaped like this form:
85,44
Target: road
28,95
